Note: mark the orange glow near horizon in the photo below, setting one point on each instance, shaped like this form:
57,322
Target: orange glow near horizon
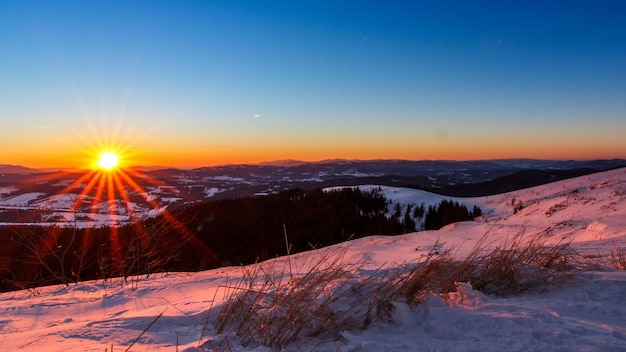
159,152
201,158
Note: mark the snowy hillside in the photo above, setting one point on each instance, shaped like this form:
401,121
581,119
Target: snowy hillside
179,312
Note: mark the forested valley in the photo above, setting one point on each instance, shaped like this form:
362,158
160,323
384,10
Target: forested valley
206,235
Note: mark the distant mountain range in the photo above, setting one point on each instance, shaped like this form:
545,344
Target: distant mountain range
407,167
17,169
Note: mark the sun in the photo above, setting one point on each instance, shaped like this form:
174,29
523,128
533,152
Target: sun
108,161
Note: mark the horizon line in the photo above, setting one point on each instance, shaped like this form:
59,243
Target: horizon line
295,162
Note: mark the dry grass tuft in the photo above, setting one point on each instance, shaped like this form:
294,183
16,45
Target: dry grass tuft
273,306
617,260
519,265
411,283
276,304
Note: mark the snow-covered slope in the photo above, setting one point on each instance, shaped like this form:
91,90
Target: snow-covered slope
586,314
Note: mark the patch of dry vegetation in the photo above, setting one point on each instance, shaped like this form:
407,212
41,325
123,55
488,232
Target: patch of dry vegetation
520,264
275,306
617,260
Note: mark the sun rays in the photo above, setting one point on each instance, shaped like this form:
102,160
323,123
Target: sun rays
112,190
107,191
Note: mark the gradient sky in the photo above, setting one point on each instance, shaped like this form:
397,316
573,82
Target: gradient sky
191,83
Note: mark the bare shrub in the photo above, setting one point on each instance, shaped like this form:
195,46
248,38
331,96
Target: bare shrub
46,256
617,259
35,256
148,248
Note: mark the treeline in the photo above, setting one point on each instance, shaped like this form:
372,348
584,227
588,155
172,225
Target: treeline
198,237
208,235
448,212
252,228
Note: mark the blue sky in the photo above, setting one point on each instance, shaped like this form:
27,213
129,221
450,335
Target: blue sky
190,83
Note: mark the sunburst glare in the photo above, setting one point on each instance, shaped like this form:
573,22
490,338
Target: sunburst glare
108,161
109,192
